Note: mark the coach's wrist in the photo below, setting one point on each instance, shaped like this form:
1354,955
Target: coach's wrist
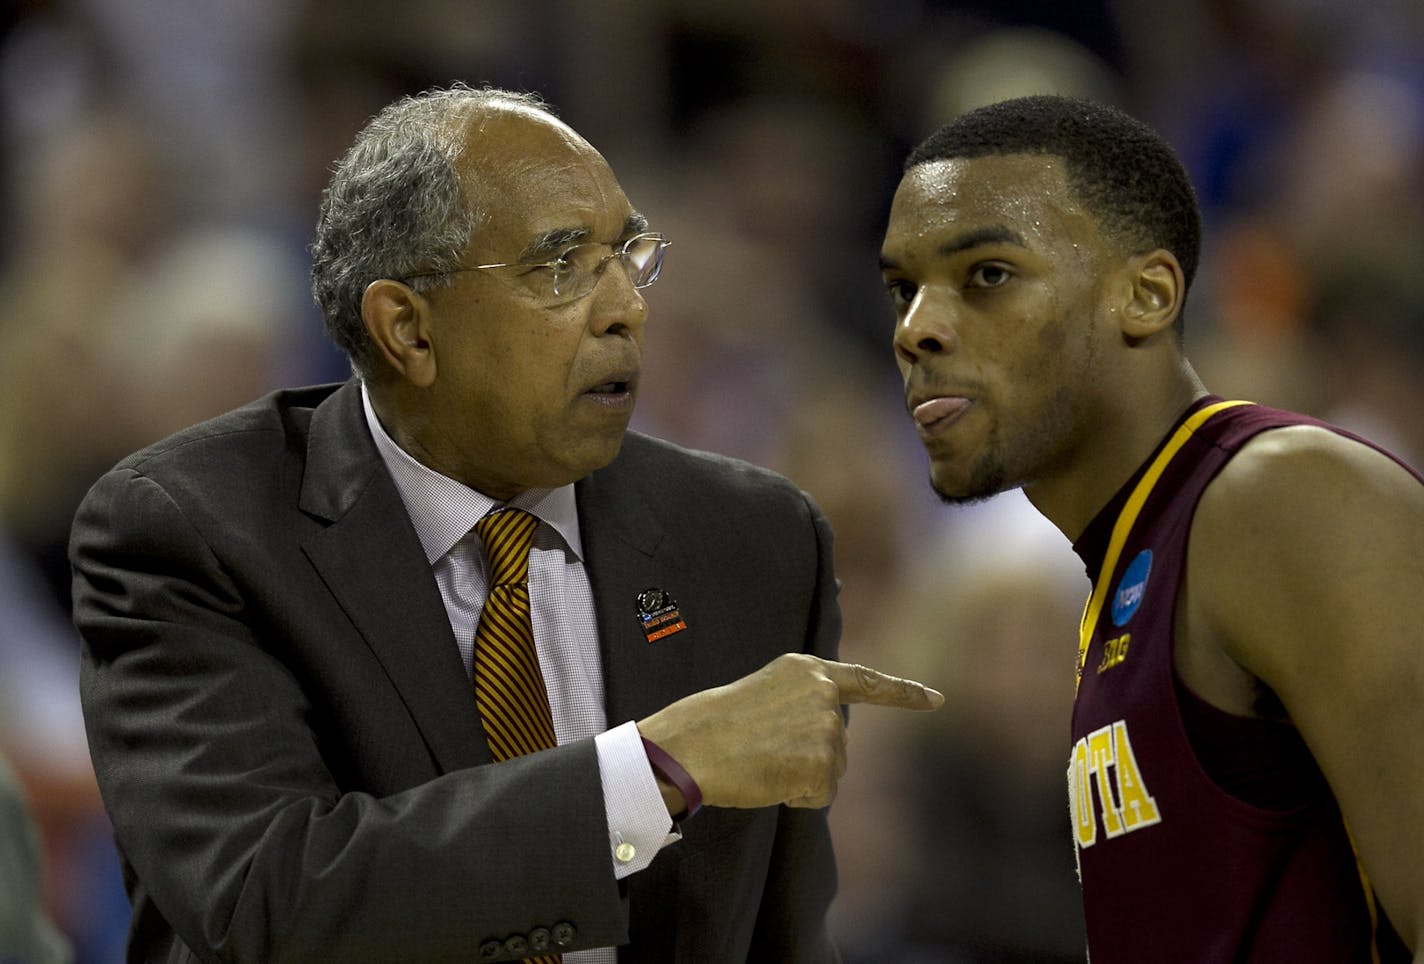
681,794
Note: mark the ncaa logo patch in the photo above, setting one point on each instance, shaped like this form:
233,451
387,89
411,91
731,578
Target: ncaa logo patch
1132,588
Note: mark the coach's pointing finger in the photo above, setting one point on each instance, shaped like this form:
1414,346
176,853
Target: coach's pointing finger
861,684
776,735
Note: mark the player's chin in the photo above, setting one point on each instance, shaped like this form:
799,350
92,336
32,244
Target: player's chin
955,486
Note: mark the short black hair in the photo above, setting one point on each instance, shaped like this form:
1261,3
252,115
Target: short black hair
1121,169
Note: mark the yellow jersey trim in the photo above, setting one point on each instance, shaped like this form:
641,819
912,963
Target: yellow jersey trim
1125,521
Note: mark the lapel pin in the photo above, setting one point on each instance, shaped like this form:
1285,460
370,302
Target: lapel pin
658,614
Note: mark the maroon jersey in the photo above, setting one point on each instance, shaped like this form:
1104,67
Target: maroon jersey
1174,867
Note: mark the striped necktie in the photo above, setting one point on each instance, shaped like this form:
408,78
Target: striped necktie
509,687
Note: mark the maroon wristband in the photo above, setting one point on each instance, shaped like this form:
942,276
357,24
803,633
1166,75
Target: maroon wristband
671,771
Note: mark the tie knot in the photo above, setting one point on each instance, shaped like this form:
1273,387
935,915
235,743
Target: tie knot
507,535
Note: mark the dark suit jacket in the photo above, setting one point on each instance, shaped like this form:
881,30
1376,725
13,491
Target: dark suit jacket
289,748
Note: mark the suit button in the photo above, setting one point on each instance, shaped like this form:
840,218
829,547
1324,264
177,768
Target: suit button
539,939
489,950
564,934
516,946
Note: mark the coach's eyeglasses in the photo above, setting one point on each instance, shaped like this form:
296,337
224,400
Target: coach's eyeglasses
576,271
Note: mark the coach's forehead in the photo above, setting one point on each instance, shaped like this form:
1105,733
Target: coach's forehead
530,174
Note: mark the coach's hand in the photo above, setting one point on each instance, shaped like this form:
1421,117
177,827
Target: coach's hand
777,735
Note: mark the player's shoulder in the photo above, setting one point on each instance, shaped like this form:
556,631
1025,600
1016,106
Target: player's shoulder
1310,458
1308,472
1302,534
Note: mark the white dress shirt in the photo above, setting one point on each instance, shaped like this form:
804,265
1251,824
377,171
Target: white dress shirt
444,512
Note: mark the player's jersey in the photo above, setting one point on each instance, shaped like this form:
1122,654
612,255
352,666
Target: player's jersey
1174,868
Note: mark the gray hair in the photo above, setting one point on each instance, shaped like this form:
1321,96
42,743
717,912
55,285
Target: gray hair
395,206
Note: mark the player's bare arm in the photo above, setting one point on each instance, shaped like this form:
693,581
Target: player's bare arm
1306,576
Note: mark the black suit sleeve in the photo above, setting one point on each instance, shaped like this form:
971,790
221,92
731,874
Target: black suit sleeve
214,753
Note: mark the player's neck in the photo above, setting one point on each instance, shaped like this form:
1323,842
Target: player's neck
1113,445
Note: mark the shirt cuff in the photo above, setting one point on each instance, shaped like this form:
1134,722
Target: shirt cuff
638,821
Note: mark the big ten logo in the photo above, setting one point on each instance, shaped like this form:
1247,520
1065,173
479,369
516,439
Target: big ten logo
1104,759
1114,652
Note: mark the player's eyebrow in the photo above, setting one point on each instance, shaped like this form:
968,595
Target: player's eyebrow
994,234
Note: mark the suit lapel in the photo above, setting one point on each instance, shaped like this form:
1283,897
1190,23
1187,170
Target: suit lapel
626,551
372,562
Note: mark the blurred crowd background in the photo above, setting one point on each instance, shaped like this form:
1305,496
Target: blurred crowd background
160,170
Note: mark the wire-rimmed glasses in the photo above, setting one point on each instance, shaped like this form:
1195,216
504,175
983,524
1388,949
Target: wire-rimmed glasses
576,271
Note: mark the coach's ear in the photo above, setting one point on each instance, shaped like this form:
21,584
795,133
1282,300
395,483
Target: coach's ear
1156,288
398,321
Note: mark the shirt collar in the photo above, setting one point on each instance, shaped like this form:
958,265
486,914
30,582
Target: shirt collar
444,510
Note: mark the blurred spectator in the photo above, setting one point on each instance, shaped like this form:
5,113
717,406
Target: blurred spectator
834,445
93,206
1367,318
209,78
793,178
975,867
1006,63
203,326
42,736
26,935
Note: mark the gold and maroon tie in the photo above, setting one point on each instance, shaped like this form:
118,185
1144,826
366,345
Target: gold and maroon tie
509,687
